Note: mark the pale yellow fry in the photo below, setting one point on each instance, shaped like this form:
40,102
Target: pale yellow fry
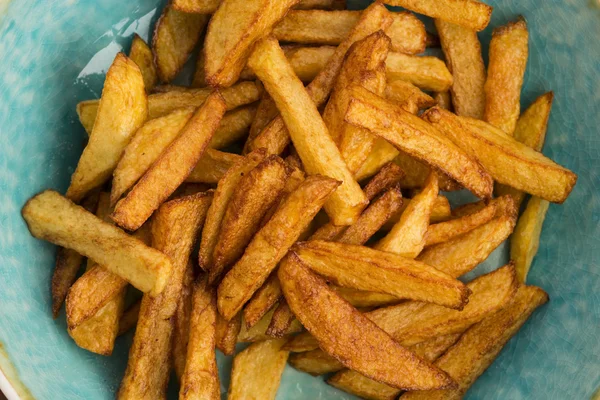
426,72
141,54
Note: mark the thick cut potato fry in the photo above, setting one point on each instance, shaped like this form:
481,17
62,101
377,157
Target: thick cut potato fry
258,331
123,108
315,362
381,154
462,51
303,342
439,213
227,333
181,322
262,301
426,72
256,193
443,100
53,217
311,138
201,378
266,111
271,243
257,370
234,126
363,268
232,31
175,36
387,177
361,298
481,344
349,336
416,137
174,231
508,59
507,160
469,13
417,173
407,237
87,111
281,320
172,167
408,96
129,318
212,166
141,54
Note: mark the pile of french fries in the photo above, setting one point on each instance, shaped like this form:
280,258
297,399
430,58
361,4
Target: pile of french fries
312,176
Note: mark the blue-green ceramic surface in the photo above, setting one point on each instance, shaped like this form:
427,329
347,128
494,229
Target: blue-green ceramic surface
54,53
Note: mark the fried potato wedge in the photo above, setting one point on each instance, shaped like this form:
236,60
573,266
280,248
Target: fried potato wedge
364,268
408,96
468,13
262,300
234,126
443,100
87,111
315,362
123,108
507,160
256,193
271,243
349,336
181,322
440,212
257,370
227,333
509,49
311,138
362,298
129,318
141,54
172,166
281,320
416,137
233,29
258,331
174,231
266,111
212,166
302,342
462,52
201,378
481,344
425,72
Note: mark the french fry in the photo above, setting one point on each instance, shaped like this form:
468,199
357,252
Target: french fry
256,193
315,362
86,111
234,126
181,322
221,198
508,59
481,344
439,213
417,173
387,177
231,34
257,370
469,13
262,300
381,154
175,36
258,331
201,378
407,237
443,100
174,231
462,51
210,6
303,342
121,111
425,72
227,333
129,318
266,111
271,243
414,136
212,166
507,160
311,138
281,320
362,298
364,268
349,336
141,54
408,96
172,167
321,5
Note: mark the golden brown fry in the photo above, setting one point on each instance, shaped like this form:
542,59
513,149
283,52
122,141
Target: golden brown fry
129,318
141,54
172,167
508,161
408,96
315,362
201,378
417,173
440,212
175,36
302,342
443,100
122,110
87,110
508,59
255,194
181,322
281,320
257,370
381,154
174,231
426,72
227,333
417,138
212,166
387,177
481,344
234,126
321,4
469,13
362,298
258,331
262,300
350,337
266,111
311,138
271,243
232,31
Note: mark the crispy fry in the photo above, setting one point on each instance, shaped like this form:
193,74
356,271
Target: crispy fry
311,138
172,167
181,323
417,173
469,13
129,318
212,166
480,345
321,4
256,193
350,337
417,138
426,72
262,300
381,154
122,110
87,110
257,370
141,54
302,342
408,96
508,59
281,320
362,298
234,126
175,36
266,111
227,333
462,51
440,212
508,161
315,362
271,243
233,29
174,231
443,100
258,331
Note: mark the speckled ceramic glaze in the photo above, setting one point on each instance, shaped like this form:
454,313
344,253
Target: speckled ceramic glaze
54,53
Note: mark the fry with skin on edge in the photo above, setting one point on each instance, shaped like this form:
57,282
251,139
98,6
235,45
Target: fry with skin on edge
311,138
281,320
212,166
426,72
362,298
262,300
443,100
388,176
141,54
129,318
525,240
271,243
181,322
227,333
258,331
172,167
349,336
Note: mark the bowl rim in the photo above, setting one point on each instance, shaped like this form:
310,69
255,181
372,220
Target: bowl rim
7,388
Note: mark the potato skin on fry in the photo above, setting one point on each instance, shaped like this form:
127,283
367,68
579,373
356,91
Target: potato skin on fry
141,54
262,300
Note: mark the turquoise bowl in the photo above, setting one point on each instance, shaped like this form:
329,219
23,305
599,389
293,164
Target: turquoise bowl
54,53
